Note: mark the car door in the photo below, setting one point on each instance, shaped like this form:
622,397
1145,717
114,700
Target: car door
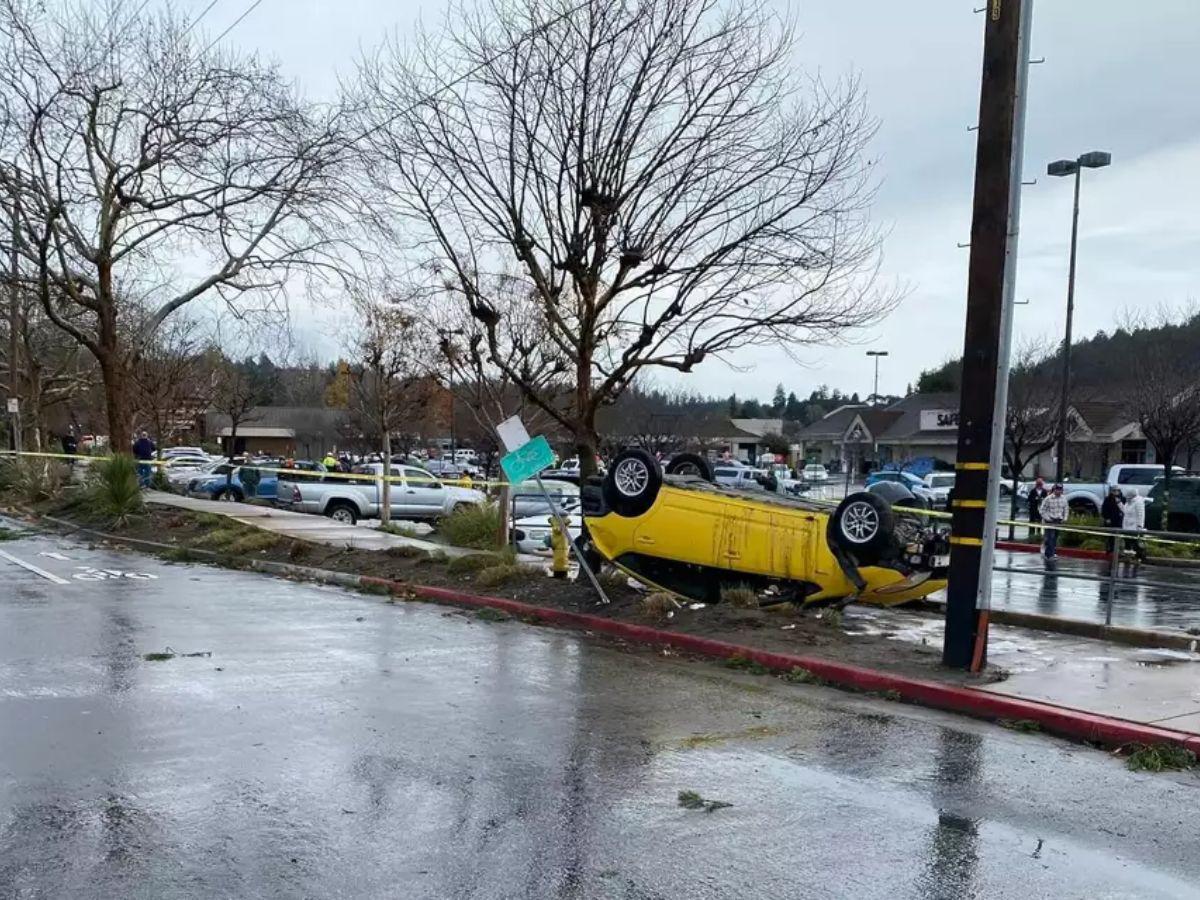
424,496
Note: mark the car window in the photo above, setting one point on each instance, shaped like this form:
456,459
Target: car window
726,473
1138,476
421,478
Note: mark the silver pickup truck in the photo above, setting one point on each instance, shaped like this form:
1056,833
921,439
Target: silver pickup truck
416,494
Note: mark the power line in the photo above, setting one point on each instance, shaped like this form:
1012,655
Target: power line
217,39
196,21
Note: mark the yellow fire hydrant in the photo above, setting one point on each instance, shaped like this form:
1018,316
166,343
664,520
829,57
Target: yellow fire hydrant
558,546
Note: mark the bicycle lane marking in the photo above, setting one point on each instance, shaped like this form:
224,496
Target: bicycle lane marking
49,576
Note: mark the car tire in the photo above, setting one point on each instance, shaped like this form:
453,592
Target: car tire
864,526
343,512
692,464
227,495
632,483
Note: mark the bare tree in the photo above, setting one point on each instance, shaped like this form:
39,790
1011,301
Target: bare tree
382,379
237,391
672,190
170,382
1031,419
1164,399
147,171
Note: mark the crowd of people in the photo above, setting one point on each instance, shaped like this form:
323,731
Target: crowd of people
1050,507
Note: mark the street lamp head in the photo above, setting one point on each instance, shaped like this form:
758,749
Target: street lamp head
877,353
1096,159
1062,167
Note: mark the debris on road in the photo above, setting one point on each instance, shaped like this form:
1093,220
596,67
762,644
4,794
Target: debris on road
1158,758
692,800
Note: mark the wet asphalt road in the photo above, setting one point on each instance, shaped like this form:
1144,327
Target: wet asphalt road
334,745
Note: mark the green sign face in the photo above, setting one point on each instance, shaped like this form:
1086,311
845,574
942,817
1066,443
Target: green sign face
527,460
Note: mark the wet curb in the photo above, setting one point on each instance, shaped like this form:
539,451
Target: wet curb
1058,720
1117,634
1097,555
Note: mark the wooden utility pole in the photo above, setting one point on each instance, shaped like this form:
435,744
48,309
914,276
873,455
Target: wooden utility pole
987,338
14,330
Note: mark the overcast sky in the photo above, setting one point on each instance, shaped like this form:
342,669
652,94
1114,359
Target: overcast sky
1118,76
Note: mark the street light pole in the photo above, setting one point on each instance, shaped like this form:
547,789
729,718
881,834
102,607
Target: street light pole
1096,159
876,354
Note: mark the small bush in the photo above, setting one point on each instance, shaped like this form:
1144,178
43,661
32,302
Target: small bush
158,479
658,607
179,554
472,525
474,562
505,573
221,538
832,617
801,676
1073,539
33,480
8,534
211,520
613,579
488,614
254,542
1160,758
114,495
739,597
439,556
746,665
298,550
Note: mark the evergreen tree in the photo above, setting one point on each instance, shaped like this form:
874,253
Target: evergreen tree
780,400
793,409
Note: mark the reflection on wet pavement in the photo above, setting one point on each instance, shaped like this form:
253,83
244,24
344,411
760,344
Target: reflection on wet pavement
335,745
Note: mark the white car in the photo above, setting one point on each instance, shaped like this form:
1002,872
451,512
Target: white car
938,486
532,534
182,469
814,472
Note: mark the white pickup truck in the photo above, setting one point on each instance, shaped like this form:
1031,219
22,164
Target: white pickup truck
1131,478
415,494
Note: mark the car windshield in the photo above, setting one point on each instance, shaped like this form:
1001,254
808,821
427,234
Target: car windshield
941,481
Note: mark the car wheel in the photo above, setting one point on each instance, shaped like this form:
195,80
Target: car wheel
225,495
690,464
344,513
631,485
864,526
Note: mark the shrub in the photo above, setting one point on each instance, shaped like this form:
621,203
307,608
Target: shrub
1074,539
254,542
472,525
399,530
740,597
33,480
505,573
405,551
114,495
1160,758
658,607
474,562
158,479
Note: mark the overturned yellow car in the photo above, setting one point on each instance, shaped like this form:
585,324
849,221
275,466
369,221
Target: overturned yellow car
678,531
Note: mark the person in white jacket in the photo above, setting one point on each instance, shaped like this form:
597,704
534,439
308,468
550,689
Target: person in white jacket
1134,519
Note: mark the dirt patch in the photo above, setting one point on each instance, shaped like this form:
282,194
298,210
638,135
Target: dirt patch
781,628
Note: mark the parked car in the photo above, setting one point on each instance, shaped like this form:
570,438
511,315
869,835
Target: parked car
220,484
742,478
691,537
415,494
814,472
172,452
528,500
178,476
532,533
938,486
1184,514
1131,478
916,486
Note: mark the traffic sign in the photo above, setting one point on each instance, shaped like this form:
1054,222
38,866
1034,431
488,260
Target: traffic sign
527,460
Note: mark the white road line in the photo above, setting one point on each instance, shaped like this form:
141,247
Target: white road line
49,576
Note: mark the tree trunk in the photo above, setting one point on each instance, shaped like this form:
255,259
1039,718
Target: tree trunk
385,487
505,509
117,407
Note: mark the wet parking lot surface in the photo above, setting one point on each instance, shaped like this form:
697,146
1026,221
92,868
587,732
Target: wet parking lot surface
302,741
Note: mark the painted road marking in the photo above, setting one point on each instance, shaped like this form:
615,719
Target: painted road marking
57,556
91,573
34,569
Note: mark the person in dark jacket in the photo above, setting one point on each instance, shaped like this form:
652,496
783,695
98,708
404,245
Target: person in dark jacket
1037,494
143,452
1112,512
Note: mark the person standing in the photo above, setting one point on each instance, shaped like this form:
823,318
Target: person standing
1053,510
1134,519
143,452
1037,494
1112,513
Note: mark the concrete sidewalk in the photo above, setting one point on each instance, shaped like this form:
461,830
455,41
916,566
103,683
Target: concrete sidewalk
302,526
1159,687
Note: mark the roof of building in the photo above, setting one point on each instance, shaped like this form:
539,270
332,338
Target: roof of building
832,425
299,419
906,426
759,427
1103,417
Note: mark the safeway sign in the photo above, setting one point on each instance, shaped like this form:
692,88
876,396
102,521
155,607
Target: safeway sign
939,420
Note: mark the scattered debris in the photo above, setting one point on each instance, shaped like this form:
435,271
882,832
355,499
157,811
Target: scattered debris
1037,853
171,653
1026,725
692,800
405,551
1158,757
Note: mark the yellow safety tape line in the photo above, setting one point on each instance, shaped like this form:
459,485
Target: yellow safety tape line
969,504
966,541
972,466
340,476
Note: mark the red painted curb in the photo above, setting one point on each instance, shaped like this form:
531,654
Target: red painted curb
1070,552
1060,720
